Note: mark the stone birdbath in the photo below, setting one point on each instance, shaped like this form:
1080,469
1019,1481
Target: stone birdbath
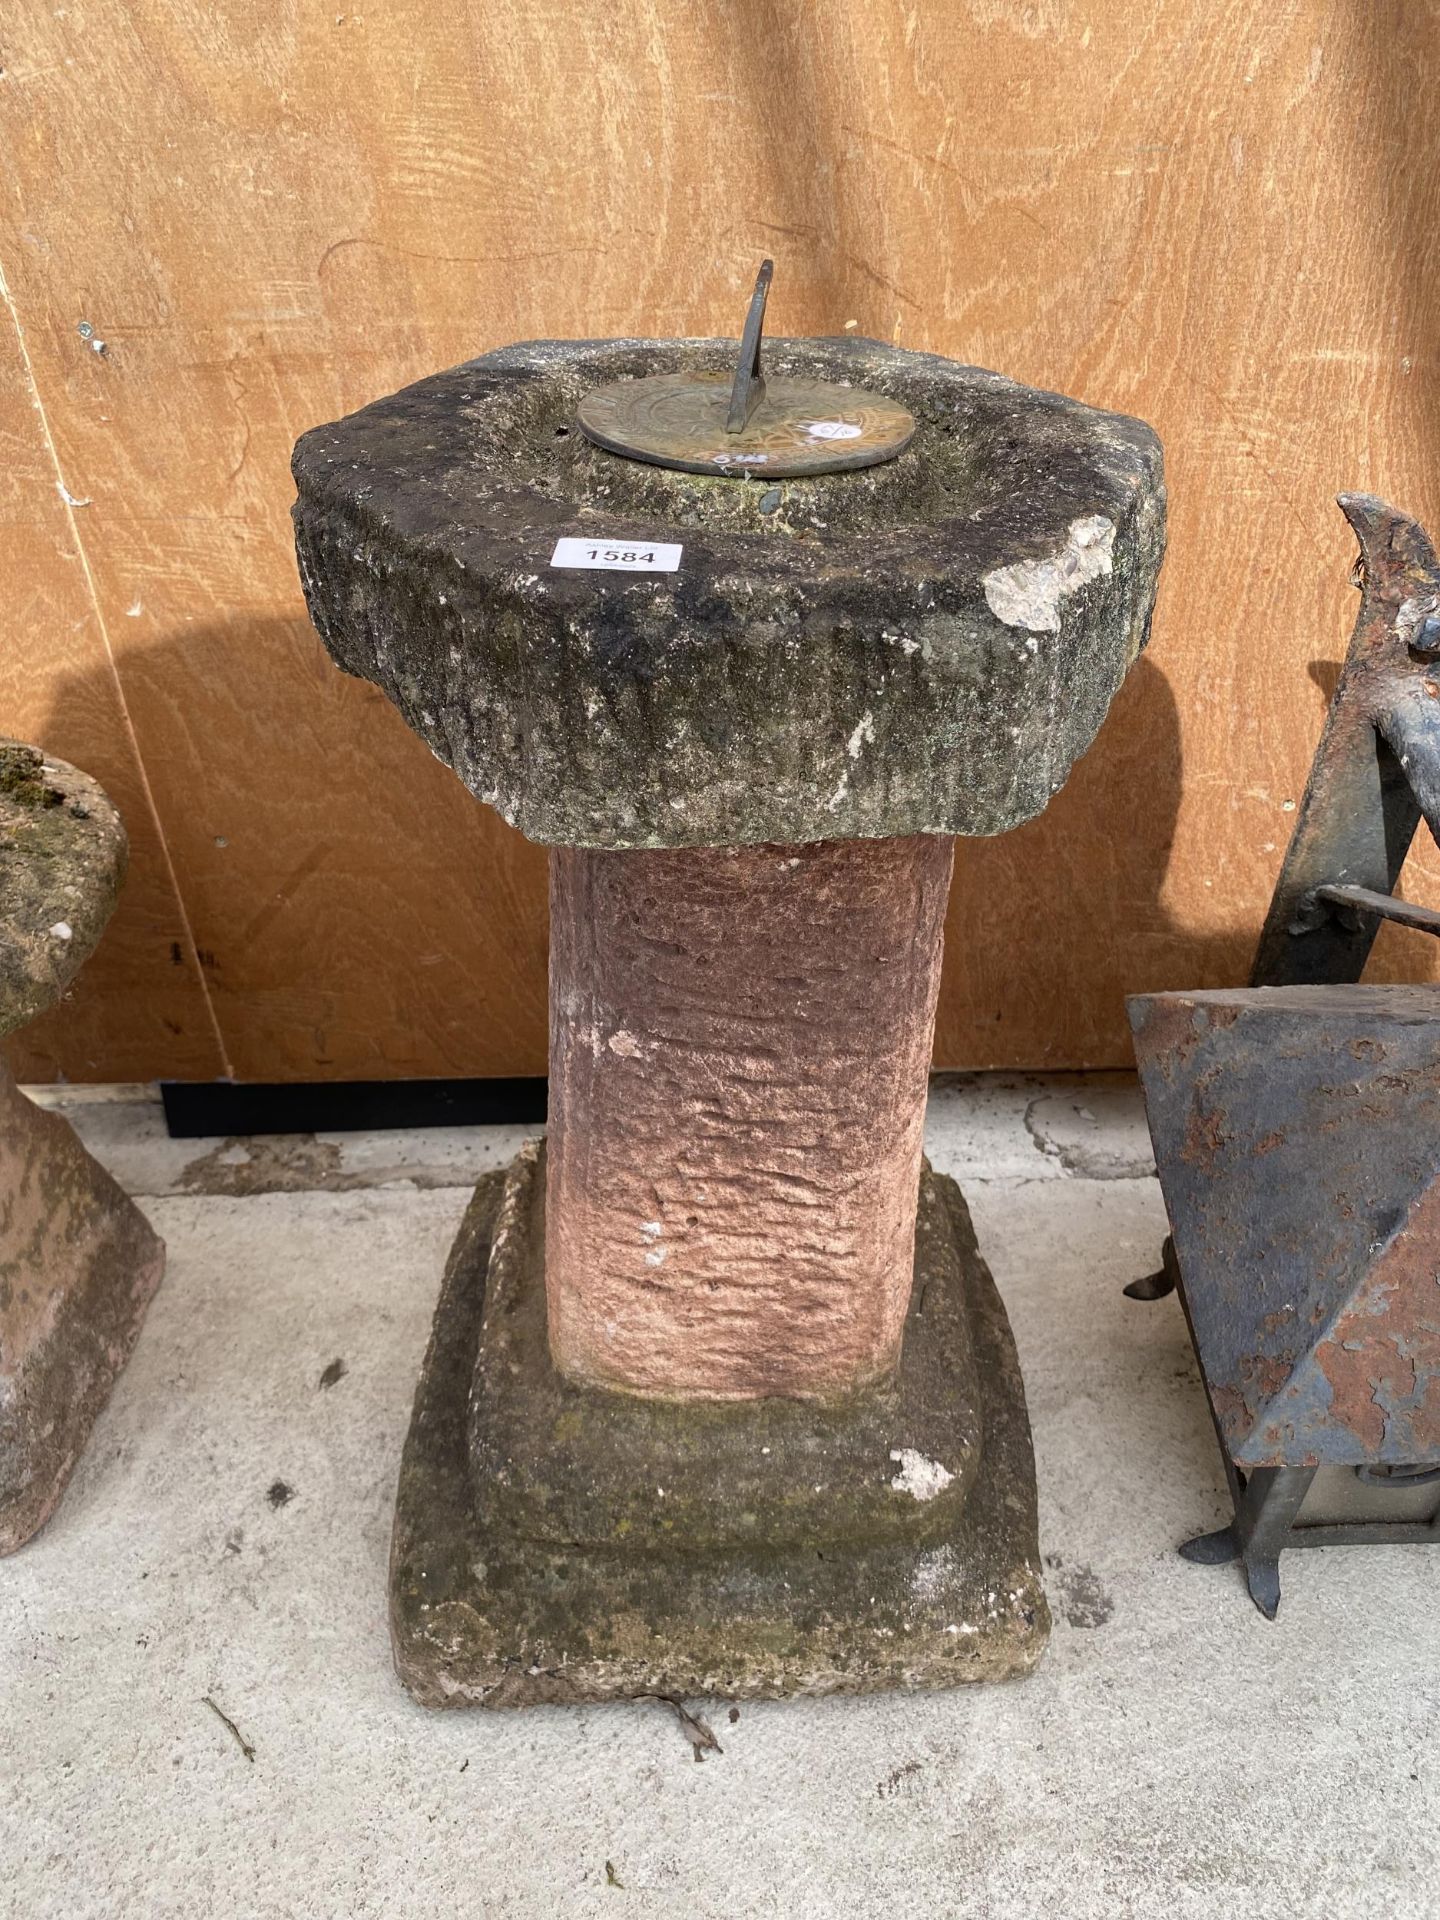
78,1260
720,1396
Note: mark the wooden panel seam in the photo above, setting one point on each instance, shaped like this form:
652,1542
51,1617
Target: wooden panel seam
38,401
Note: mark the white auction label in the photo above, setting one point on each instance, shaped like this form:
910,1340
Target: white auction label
617,556
833,430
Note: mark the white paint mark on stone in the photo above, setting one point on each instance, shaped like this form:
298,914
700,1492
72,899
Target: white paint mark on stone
134,610
656,1256
922,1478
626,1045
68,497
652,1229
1028,593
61,930
864,735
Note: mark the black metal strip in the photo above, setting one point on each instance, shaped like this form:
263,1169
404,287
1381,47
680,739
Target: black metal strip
203,1109
1363,1533
1404,913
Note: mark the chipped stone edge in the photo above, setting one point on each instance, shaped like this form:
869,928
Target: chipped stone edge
1027,593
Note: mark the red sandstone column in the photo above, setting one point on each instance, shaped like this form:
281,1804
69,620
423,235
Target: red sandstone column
739,1043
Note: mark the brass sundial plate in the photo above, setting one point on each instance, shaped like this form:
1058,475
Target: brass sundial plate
800,427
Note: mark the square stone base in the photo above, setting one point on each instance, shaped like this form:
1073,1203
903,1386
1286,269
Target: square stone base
491,1608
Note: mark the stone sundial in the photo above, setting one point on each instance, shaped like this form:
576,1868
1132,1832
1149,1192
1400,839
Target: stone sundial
720,1396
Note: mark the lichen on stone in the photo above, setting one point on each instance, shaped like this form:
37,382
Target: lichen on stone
62,861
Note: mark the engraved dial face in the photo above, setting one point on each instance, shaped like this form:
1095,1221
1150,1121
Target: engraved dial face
800,427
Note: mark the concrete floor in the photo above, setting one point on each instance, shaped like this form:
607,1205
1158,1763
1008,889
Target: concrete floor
225,1540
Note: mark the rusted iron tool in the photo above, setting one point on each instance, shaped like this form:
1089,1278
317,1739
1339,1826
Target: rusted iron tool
1295,1130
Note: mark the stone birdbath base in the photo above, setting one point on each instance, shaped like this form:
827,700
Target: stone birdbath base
605,1546
721,1397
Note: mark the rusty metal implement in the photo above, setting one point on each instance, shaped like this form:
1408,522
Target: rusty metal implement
741,424
1296,1126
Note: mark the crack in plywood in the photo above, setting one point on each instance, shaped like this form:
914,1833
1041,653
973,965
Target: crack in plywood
70,505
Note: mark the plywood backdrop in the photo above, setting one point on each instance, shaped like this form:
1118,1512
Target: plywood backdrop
1224,217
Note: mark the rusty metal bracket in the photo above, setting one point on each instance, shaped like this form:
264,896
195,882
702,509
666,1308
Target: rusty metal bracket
1376,772
1374,778
1294,1134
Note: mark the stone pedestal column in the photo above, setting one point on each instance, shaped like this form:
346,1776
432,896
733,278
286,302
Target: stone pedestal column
720,1396
739,1045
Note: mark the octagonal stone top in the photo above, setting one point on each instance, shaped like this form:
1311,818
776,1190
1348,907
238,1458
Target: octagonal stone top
926,646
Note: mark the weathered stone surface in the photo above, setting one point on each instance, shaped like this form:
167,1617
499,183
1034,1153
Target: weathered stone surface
62,861
559,1461
484,1616
924,647
740,1039
78,1261
78,1265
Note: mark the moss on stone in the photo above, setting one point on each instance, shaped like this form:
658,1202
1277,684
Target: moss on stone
62,862
582,1466
22,778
